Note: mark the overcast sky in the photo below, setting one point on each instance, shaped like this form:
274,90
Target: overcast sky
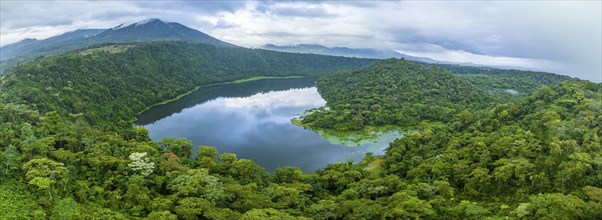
563,37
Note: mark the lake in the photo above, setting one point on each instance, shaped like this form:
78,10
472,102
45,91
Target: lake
253,121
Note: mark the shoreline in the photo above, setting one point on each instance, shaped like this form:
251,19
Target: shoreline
254,78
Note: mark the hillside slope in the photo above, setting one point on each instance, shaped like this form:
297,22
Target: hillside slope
155,30
143,31
29,45
152,29
537,158
392,92
114,83
504,82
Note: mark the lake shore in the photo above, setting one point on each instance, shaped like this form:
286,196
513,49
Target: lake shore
254,78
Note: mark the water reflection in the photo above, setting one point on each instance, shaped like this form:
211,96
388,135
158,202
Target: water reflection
252,120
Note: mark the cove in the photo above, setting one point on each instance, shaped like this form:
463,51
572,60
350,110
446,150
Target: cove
253,120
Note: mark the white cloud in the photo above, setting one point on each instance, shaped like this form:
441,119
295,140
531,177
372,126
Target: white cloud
460,56
306,97
506,33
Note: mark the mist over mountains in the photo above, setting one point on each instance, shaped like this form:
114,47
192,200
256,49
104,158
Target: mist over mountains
147,30
154,29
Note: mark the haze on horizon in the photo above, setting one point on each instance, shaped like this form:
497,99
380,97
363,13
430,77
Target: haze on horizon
553,36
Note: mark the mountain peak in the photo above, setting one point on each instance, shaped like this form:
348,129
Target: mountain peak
140,23
29,40
154,29
149,21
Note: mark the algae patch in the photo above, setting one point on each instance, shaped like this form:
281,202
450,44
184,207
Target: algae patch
374,137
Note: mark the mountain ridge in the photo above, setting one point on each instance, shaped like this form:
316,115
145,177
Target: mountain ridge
152,29
155,29
349,52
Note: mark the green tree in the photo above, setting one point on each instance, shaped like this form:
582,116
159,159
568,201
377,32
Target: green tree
407,205
206,157
141,164
161,215
10,159
137,197
179,146
45,174
66,208
552,206
192,208
267,214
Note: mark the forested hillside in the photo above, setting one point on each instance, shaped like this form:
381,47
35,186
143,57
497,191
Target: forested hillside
542,153
405,93
144,31
504,83
110,84
393,92
535,157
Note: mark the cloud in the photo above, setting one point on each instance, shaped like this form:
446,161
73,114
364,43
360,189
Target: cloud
461,56
293,9
221,23
306,97
540,34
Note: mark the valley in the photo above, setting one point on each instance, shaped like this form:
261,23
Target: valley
155,120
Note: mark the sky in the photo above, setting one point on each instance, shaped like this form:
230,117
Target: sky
555,36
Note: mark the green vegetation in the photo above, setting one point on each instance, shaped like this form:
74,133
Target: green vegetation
405,93
108,89
265,77
14,198
498,81
374,136
236,81
69,151
108,49
392,92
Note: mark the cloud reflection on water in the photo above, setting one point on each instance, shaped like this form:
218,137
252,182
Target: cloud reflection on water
257,127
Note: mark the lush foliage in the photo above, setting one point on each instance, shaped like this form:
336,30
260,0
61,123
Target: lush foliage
109,88
537,157
392,92
405,93
503,83
532,152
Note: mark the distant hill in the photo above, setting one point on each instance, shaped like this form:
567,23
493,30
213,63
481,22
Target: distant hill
147,30
393,92
347,52
29,45
503,81
370,53
403,92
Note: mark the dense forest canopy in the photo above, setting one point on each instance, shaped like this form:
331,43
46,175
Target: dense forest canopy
500,81
405,93
69,151
109,86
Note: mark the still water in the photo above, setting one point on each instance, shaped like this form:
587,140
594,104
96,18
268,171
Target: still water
252,120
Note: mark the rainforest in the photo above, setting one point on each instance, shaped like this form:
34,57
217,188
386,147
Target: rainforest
70,149
300,110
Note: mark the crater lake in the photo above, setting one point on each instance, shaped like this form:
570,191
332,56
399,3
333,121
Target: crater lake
253,121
